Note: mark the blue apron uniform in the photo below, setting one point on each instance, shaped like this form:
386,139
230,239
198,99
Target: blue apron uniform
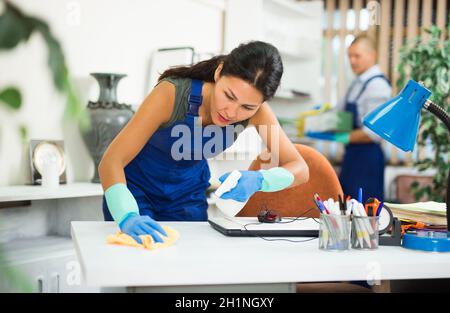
170,189
363,164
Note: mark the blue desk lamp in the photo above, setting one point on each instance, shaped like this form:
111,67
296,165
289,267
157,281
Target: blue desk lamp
397,121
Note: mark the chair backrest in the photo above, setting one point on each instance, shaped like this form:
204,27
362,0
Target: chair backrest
298,200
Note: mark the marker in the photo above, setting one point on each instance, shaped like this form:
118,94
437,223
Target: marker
341,205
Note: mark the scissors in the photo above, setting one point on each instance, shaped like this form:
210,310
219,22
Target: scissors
371,206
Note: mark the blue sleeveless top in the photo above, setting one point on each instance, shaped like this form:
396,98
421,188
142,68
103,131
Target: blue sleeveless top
170,175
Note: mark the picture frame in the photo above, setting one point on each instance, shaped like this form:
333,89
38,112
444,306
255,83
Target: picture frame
164,58
42,148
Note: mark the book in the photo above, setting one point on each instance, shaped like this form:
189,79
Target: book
430,213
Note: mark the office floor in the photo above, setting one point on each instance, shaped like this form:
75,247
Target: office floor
420,285
394,286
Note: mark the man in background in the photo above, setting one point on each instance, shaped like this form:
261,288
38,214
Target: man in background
363,163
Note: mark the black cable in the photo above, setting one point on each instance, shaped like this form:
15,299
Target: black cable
439,113
300,217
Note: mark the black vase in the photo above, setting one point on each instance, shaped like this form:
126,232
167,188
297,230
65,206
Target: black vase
107,116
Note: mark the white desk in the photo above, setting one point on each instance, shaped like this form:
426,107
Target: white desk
204,260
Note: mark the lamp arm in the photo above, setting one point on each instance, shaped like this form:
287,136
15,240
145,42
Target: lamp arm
445,118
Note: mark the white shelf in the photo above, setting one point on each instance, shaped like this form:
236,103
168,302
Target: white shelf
29,192
287,94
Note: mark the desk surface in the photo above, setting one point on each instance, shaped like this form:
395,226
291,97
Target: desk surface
203,256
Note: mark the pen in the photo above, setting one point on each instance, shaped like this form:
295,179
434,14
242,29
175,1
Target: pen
326,236
364,224
348,206
380,206
317,205
338,209
330,232
331,206
316,196
370,229
360,195
332,223
334,209
358,230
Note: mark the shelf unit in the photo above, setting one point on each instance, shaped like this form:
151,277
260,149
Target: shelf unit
38,244
37,192
49,264
295,28
37,249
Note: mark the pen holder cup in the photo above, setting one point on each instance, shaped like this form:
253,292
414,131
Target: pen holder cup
334,232
365,232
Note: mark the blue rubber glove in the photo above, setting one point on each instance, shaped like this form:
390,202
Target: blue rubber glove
135,225
338,137
249,183
274,179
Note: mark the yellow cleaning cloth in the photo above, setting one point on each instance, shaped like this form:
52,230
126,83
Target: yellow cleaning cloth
147,240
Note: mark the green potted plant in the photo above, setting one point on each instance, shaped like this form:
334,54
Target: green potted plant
429,62
17,27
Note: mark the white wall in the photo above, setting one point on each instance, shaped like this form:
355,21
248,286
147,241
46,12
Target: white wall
97,36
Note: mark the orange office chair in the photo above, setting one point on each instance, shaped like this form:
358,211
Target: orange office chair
298,200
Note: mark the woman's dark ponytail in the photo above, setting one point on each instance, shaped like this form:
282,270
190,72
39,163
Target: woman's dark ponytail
203,70
258,63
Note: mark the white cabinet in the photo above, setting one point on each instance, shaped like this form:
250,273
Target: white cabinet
26,275
35,234
46,264
41,275
65,276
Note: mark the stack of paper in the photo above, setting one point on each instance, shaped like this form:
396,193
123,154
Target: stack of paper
431,213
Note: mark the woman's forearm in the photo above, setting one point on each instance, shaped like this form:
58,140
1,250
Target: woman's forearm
299,169
111,172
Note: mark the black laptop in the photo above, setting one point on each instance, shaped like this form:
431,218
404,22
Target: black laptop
249,226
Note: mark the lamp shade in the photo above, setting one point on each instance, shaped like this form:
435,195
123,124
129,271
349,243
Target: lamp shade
397,120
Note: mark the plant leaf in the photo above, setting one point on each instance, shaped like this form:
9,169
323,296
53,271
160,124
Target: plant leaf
13,28
11,97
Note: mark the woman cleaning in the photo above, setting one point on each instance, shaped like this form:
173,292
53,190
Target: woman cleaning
150,173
